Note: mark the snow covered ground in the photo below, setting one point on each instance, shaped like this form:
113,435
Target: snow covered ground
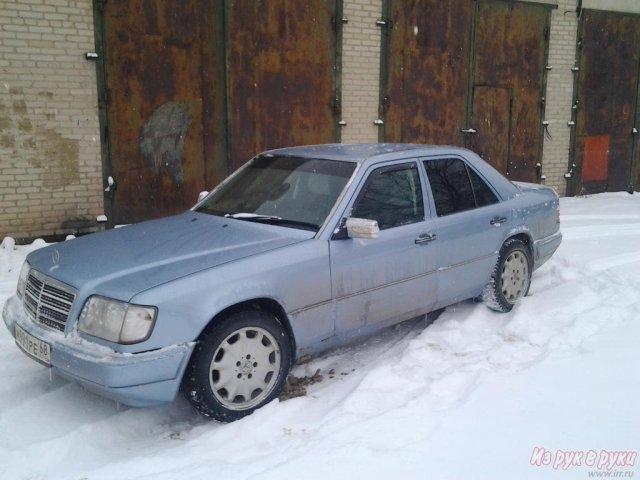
549,391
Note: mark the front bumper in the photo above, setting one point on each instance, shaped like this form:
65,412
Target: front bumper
135,379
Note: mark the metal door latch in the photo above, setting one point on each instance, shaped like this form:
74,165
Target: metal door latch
469,130
111,184
425,238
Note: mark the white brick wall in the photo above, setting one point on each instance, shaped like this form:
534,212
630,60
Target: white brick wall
361,70
562,56
50,167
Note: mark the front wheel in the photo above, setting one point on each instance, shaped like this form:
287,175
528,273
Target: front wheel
238,365
511,277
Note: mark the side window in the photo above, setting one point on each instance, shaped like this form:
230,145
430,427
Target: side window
484,194
450,185
392,196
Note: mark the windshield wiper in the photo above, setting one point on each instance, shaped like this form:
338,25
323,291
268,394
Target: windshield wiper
273,220
251,216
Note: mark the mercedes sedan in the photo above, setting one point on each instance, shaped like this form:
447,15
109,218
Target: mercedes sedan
301,250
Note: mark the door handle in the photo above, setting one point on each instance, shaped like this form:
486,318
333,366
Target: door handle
469,130
497,221
425,238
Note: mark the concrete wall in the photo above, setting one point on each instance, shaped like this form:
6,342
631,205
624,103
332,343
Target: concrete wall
50,167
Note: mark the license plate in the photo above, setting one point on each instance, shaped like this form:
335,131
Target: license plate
33,347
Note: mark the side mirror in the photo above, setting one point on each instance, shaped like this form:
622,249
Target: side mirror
201,196
362,228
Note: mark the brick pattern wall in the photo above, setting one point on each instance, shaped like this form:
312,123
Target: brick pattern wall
50,167
361,70
562,56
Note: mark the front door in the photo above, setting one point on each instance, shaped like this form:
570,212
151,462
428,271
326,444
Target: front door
392,277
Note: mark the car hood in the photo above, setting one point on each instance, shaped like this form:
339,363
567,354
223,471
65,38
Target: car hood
125,261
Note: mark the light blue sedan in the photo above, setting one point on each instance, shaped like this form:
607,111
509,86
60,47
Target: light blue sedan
301,250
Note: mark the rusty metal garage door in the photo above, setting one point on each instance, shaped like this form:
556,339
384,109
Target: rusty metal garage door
468,73
154,103
427,70
191,90
510,57
282,84
607,105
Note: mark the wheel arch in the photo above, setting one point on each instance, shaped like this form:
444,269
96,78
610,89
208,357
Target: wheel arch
264,304
525,238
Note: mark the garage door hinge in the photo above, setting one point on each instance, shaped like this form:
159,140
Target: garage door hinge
384,106
569,174
386,24
336,105
338,22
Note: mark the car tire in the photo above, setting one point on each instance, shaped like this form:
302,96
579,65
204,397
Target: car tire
511,277
238,365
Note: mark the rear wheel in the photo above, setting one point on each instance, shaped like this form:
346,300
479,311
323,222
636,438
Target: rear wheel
238,365
511,277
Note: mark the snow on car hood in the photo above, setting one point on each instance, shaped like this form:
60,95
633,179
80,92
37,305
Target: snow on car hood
123,262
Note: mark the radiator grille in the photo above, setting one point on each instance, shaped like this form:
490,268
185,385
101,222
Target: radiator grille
47,302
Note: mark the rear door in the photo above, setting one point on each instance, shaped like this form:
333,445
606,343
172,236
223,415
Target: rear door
470,226
392,277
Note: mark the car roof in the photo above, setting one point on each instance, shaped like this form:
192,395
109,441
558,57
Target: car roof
364,152
369,153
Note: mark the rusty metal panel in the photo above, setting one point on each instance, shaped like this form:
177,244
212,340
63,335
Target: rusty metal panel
492,119
427,71
595,165
510,52
607,102
281,74
156,63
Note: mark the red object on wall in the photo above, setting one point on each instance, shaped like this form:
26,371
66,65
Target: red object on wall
595,165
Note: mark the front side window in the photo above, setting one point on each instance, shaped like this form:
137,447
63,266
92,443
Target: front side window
392,196
455,187
283,190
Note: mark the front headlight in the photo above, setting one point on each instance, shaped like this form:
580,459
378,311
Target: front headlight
22,279
116,321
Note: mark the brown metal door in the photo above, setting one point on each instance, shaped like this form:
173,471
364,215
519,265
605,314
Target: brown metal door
510,56
282,81
447,61
427,71
195,89
492,118
156,63
607,103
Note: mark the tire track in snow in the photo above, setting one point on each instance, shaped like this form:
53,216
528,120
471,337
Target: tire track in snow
613,261
590,232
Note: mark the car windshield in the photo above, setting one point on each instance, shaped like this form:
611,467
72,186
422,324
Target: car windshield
283,190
